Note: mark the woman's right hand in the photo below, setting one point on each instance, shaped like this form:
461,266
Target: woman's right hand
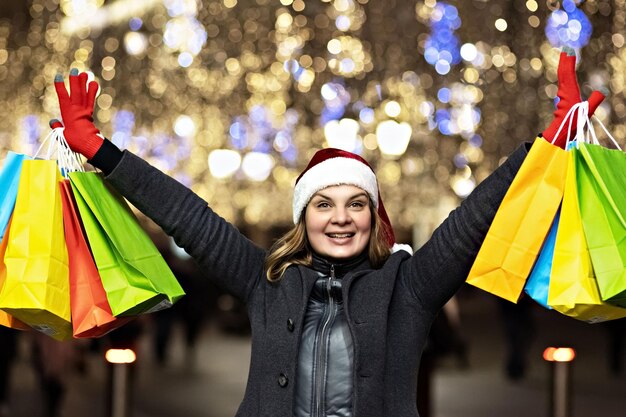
77,113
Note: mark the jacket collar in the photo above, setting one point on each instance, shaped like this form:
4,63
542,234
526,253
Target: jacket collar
323,265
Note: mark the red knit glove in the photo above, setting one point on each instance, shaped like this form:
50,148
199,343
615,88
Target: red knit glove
569,94
77,113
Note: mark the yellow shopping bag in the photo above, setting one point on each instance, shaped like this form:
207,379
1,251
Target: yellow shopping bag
36,288
573,288
522,222
6,319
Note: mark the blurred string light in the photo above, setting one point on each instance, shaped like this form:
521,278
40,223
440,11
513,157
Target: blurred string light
568,26
393,137
268,77
92,15
123,125
442,46
347,56
259,132
30,133
257,165
335,98
183,32
343,134
223,163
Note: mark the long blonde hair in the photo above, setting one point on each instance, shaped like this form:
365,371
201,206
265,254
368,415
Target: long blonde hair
293,248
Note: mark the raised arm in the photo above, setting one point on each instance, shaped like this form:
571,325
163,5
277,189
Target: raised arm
225,255
441,266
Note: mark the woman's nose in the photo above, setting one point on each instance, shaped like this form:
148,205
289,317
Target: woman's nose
341,216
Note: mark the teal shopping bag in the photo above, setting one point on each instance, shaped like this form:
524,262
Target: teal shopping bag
538,281
134,275
9,181
602,191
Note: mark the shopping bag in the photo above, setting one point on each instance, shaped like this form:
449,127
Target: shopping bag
573,289
6,319
36,288
9,179
91,313
539,279
602,188
135,276
521,223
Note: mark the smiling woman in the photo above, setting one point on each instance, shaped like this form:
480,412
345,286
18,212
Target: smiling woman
339,221
339,317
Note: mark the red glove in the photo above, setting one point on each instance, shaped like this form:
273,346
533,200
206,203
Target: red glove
77,113
569,94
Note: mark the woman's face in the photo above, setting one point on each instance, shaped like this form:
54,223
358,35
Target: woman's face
338,221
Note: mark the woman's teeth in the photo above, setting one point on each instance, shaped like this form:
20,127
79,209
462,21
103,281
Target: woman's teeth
340,235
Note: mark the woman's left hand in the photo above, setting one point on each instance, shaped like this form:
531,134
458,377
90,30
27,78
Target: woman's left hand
569,94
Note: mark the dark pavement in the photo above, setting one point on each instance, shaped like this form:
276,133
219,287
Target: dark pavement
213,386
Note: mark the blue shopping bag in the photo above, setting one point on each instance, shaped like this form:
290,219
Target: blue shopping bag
9,180
538,281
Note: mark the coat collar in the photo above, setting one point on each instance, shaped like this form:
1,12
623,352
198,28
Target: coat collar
323,265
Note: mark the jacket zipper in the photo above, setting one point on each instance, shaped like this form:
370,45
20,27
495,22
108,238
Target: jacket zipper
322,352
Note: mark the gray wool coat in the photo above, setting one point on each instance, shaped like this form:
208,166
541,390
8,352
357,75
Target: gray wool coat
389,310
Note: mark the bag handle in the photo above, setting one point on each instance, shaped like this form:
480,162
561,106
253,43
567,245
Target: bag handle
588,135
55,144
611,138
569,120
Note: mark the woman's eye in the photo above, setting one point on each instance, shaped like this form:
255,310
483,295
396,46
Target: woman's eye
357,204
323,205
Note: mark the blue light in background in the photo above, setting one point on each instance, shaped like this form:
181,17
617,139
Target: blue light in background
123,125
30,127
476,141
135,23
441,49
336,98
238,134
124,121
443,95
460,160
442,117
367,115
568,27
260,132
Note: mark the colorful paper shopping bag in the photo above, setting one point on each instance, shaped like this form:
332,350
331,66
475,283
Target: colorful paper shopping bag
135,276
602,189
6,319
573,288
9,180
36,288
91,313
538,281
521,223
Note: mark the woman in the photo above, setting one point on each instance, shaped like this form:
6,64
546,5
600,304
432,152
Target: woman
338,320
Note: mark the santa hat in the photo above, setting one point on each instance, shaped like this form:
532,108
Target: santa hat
330,167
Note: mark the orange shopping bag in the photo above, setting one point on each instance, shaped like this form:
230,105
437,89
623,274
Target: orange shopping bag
91,313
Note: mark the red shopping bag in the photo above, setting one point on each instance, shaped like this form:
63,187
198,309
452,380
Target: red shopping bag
91,313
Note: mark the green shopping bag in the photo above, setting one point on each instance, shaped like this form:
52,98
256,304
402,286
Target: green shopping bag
134,275
573,289
602,191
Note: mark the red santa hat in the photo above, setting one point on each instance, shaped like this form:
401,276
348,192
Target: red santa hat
332,166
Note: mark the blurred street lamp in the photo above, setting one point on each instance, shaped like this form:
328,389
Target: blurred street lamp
393,137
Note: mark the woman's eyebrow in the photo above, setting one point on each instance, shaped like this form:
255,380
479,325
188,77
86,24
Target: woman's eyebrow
352,197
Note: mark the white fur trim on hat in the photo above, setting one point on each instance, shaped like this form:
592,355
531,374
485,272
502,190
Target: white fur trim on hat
333,171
